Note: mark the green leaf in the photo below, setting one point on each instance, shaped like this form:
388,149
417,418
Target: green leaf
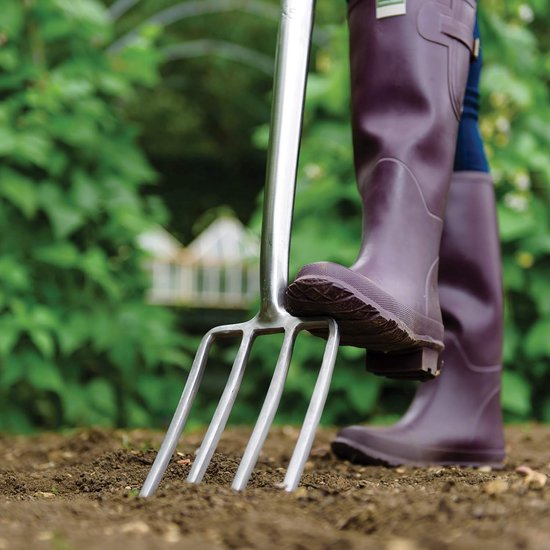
14,275
113,84
516,394
11,372
540,289
8,61
77,131
537,343
514,225
512,342
43,375
43,341
44,317
361,391
17,421
123,355
9,335
75,405
102,398
172,356
500,77
137,415
59,254
12,18
152,389
85,192
95,264
75,334
82,11
514,275
7,141
33,147
20,191
65,219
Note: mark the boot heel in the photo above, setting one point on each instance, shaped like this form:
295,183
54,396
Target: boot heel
422,364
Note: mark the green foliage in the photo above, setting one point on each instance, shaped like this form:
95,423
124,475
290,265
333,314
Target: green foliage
78,344
516,118
198,119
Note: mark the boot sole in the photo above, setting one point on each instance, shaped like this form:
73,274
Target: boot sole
348,449
395,351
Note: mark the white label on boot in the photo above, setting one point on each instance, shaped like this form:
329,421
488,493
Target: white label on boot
390,8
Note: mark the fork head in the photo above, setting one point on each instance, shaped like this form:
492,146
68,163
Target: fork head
260,325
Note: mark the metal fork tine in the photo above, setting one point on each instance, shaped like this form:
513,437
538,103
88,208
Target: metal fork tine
180,417
221,415
269,408
314,411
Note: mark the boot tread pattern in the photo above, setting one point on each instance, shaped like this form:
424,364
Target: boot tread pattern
363,325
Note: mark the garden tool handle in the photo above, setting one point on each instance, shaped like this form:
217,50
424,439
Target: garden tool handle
289,86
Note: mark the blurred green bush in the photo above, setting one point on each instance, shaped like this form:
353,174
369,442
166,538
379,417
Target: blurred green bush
78,345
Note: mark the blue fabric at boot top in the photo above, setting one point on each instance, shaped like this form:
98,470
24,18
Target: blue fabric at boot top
470,154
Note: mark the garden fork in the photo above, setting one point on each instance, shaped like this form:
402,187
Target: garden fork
293,46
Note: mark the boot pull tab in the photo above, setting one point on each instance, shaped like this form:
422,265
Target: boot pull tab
461,32
437,22
451,26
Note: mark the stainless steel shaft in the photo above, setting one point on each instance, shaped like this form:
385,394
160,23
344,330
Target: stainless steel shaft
289,90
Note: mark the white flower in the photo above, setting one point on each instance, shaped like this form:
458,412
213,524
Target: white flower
502,124
522,181
516,202
526,13
313,171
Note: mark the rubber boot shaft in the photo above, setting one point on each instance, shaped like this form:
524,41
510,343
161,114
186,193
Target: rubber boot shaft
455,419
408,75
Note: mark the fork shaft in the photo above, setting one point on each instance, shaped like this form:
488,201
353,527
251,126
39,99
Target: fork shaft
284,144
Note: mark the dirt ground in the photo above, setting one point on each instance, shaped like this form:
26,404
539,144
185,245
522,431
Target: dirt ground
79,491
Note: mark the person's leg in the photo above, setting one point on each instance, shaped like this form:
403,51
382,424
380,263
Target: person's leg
456,419
408,77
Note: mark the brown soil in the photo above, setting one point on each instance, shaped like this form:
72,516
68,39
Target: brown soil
79,492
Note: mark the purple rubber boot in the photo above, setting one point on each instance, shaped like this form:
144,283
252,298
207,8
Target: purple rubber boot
408,75
455,419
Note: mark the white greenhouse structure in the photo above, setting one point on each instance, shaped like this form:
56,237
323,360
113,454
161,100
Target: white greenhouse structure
218,270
